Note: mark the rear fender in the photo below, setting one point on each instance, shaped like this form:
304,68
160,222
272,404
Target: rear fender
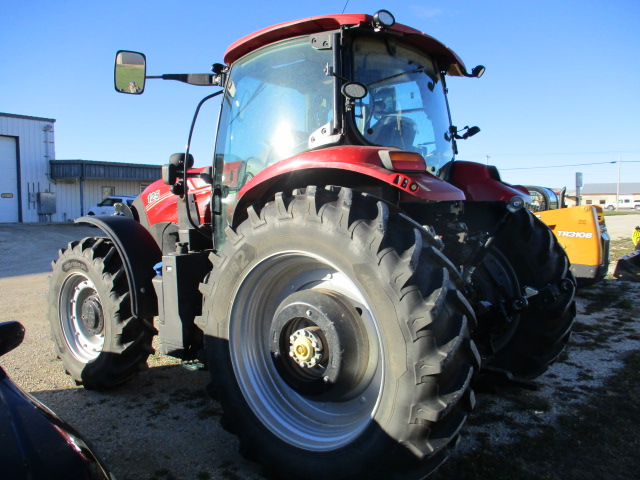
482,183
139,253
356,167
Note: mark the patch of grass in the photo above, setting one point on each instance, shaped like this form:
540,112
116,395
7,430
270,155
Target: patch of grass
158,407
599,440
625,304
607,213
607,294
619,248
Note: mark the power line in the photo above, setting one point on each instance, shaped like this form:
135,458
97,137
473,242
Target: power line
541,154
557,166
572,165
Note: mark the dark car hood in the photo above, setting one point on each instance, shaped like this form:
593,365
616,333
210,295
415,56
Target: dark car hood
37,444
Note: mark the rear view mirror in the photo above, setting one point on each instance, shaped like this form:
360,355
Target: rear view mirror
11,335
129,72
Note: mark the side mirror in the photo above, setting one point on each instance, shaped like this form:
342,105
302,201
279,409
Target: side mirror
11,335
477,71
177,167
169,174
178,159
130,71
471,131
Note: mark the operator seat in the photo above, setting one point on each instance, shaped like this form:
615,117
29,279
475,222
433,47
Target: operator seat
395,131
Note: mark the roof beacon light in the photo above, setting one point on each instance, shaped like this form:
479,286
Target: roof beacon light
383,19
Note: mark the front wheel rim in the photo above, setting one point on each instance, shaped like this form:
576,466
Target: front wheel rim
298,419
81,317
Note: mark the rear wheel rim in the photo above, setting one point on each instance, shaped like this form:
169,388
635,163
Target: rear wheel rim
297,419
81,317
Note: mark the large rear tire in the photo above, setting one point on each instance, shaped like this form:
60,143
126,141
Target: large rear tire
99,341
543,328
338,342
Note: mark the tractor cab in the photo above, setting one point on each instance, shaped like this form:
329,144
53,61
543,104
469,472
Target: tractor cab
334,81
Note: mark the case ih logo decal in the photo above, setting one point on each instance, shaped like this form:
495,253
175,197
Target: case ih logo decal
563,233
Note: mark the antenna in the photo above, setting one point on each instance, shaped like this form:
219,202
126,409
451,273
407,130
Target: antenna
345,6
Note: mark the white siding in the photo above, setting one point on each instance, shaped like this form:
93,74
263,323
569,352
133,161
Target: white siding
67,200
35,137
9,198
68,195
36,148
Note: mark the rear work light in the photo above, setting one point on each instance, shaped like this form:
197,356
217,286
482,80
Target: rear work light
399,161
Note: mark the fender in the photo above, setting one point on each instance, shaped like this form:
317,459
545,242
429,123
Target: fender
139,253
482,183
347,166
363,160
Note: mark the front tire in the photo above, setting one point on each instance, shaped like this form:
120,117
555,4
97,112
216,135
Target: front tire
98,340
338,342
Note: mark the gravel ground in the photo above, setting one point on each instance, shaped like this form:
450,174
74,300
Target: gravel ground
163,425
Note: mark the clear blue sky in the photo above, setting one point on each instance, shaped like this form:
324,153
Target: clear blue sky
562,85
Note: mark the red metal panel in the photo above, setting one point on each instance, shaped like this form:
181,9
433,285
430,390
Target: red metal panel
162,206
480,185
364,160
311,25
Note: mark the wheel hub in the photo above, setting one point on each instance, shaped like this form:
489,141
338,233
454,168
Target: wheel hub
305,347
91,317
319,345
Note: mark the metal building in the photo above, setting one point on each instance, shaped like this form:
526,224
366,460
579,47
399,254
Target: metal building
26,146
81,184
34,187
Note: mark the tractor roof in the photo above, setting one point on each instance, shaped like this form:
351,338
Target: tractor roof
447,59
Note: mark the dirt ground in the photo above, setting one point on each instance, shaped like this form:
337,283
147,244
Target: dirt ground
163,425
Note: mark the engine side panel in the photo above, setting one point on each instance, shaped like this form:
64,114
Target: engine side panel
160,205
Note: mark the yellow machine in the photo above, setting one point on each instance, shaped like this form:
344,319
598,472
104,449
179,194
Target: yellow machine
628,267
583,234
580,230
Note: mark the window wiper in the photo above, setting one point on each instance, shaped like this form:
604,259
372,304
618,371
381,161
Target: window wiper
251,99
409,72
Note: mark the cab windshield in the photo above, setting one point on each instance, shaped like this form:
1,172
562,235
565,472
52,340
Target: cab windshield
405,106
275,99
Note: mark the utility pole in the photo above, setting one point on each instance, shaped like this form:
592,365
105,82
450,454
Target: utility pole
579,185
618,186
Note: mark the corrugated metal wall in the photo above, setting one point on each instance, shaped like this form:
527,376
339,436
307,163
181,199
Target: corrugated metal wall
36,148
35,137
68,195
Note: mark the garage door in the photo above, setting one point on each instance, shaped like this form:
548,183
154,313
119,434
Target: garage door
8,180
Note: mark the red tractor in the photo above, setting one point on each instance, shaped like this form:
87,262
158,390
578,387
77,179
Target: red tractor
344,280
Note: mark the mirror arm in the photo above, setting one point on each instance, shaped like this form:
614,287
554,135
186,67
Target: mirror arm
201,79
